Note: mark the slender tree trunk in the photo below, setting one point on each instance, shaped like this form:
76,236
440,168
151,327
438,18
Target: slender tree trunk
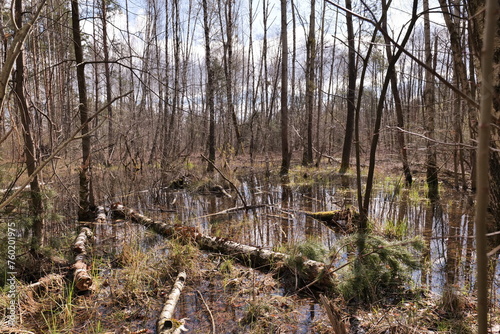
351,91
107,73
378,120
429,111
285,156
209,90
86,196
485,37
165,112
319,84
37,209
458,50
398,105
228,68
310,84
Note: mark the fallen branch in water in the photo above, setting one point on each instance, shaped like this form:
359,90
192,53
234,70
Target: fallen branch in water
310,271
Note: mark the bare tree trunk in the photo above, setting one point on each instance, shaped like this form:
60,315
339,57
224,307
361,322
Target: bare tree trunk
209,90
319,83
378,120
458,51
228,67
107,73
486,47
351,91
29,144
285,156
398,105
86,196
310,84
429,111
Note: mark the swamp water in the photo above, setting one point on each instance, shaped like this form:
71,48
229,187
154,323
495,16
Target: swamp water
446,226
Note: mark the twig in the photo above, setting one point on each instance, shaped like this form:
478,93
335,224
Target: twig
209,312
230,182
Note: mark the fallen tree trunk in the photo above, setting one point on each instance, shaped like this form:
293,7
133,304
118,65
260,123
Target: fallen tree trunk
166,324
317,273
81,277
341,221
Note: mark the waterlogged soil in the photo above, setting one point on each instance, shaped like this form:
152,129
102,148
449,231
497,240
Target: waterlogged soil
134,269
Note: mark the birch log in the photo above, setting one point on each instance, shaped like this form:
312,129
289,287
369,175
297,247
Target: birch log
81,277
166,323
320,274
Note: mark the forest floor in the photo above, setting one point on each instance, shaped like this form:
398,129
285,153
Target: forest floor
133,270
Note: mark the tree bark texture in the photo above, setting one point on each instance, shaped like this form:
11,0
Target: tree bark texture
256,257
166,324
485,36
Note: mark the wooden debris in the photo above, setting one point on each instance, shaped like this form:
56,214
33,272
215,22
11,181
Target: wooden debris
334,316
47,281
311,271
166,324
341,221
81,277
81,240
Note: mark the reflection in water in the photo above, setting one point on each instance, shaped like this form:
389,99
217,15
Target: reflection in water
444,224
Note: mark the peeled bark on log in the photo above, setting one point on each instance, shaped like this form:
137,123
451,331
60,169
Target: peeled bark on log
166,324
81,277
311,271
101,215
81,240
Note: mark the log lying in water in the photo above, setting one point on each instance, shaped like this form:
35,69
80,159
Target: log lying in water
166,324
341,221
320,274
